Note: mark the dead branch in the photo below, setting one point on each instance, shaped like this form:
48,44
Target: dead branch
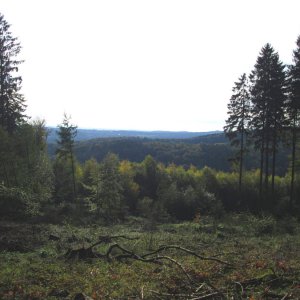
207,296
185,296
176,263
84,253
123,253
163,248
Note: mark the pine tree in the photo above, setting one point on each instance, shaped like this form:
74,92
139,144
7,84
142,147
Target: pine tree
12,103
293,109
268,104
237,122
67,133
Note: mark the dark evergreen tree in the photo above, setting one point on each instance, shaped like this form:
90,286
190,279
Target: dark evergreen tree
293,110
12,103
237,122
66,138
268,102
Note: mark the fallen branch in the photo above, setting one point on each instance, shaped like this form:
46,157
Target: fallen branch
185,296
176,263
163,248
85,253
150,257
207,296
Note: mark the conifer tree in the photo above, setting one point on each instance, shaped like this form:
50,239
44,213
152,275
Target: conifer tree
237,122
268,102
12,103
66,139
293,109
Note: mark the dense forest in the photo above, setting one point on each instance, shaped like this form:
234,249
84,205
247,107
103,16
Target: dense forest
212,151
201,217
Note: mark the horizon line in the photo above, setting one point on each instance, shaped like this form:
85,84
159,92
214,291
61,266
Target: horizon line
141,130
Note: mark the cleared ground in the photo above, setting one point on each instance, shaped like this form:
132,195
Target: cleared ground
238,257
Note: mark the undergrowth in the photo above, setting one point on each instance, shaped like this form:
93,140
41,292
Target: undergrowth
263,254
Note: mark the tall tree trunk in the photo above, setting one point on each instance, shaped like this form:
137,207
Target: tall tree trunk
266,186
73,175
274,160
262,151
261,170
294,140
241,160
2,114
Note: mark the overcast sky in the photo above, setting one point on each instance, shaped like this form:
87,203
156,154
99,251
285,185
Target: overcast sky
147,65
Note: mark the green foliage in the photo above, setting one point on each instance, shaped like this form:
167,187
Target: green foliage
293,117
65,164
13,201
110,190
130,188
268,118
179,152
62,168
107,192
237,128
26,171
66,135
12,104
264,225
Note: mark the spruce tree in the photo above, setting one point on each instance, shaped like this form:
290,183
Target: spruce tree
268,104
293,110
12,103
66,139
238,119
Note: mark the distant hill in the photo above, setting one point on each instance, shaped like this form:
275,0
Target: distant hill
178,151
87,134
214,138
200,149
211,150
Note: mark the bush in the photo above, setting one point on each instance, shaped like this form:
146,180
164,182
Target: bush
16,203
265,225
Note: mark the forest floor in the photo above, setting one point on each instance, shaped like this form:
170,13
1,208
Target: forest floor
237,257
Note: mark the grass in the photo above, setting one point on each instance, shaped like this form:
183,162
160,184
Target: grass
264,254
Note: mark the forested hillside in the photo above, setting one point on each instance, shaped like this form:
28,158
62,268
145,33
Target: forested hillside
172,215
211,150
104,176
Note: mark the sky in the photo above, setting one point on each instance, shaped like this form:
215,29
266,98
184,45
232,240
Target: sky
143,65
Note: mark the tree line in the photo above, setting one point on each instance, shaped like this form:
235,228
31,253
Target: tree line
264,114
33,185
